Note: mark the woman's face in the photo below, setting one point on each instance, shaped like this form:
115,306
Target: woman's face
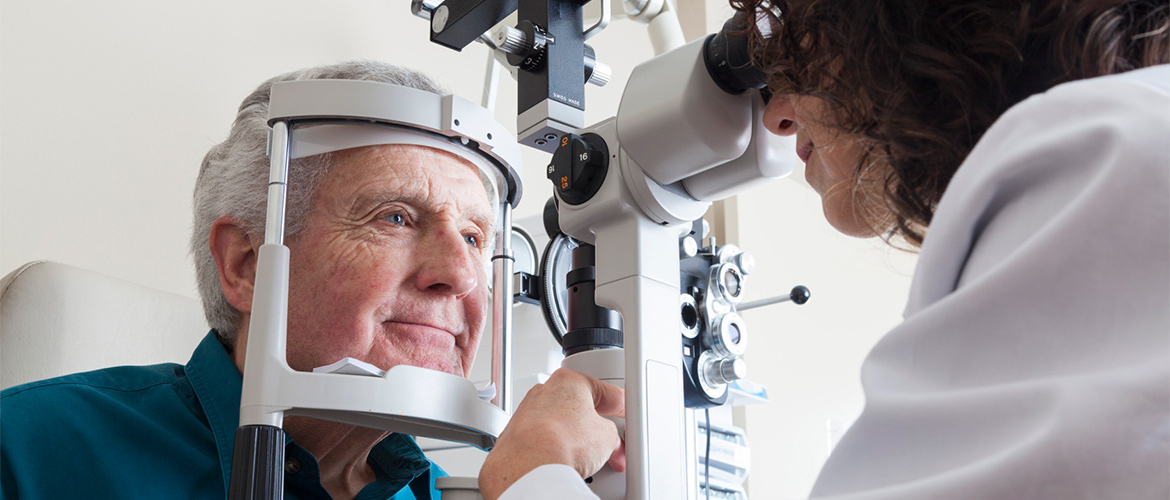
851,206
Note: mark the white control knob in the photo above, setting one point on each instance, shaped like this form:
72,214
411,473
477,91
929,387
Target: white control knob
508,39
745,262
600,75
726,370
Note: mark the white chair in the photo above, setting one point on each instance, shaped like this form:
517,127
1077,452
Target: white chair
57,319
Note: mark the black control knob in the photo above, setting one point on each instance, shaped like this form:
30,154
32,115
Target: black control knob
578,167
799,295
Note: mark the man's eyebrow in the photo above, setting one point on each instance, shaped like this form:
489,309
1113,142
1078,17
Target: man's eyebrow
368,202
485,220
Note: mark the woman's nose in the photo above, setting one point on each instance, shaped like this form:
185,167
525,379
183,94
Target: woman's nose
780,115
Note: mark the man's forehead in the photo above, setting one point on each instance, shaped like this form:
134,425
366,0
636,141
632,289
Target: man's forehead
400,155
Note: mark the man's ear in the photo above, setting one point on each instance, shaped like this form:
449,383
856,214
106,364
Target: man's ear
235,257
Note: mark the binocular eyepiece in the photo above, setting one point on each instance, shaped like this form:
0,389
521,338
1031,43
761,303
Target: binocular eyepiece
728,57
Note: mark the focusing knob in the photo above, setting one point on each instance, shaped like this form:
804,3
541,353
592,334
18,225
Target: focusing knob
578,167
528,54
508,39
725,370
596,72
599,75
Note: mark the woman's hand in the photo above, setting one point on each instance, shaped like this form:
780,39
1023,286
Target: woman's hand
558,422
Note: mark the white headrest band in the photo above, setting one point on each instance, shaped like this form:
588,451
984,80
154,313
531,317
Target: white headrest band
309,140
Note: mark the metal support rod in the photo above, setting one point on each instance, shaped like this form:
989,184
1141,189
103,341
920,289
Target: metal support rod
278,147
691,445
602,23
799,295
763,302
491,82
502,264
665,31
258,454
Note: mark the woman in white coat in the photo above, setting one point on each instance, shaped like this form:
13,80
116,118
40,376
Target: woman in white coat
1033,140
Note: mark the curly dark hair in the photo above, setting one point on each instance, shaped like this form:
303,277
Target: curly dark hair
920,81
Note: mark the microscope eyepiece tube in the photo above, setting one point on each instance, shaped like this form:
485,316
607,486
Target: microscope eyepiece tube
728,58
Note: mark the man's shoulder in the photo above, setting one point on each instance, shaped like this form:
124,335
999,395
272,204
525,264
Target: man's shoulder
137,430
92,409
97,398
118,379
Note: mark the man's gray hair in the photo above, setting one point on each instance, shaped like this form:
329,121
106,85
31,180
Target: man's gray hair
233,180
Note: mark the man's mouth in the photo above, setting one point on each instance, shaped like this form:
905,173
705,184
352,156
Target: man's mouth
422,329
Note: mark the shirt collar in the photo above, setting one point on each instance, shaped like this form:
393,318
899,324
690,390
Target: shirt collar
398,461
218,384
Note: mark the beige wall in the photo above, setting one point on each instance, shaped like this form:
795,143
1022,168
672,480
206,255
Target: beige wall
108,108
809,356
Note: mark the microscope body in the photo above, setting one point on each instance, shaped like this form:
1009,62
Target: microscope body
637,275
688,132
677,143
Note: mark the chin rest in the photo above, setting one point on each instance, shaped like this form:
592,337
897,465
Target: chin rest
57,319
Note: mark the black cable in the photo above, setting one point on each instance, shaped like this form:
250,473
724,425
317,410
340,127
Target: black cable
707,455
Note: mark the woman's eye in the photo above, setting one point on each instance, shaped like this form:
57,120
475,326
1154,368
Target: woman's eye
472,240
397,219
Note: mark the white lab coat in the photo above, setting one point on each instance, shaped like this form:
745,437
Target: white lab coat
1034,359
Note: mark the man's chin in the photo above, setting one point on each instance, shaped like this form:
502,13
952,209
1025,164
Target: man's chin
451,367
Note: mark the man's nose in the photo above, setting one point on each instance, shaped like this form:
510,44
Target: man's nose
780,115
450,265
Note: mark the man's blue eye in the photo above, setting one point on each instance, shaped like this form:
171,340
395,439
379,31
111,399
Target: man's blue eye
396,219
472,240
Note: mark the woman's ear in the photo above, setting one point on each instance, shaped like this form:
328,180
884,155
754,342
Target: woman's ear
235,257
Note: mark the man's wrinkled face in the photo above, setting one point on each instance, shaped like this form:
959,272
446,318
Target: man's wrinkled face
390,267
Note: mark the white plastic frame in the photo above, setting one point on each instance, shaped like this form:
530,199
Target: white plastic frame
407,399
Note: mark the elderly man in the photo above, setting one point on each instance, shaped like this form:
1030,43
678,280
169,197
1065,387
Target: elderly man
388,246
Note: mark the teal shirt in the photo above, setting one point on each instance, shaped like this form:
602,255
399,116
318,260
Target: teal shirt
162,431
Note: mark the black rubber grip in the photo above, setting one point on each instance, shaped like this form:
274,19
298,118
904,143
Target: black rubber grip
584,339
258,464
